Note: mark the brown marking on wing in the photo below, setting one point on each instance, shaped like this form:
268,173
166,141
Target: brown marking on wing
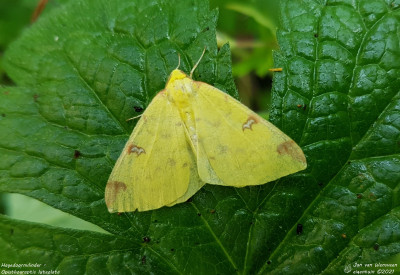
132,148
171,162
249,123
112,189
290,148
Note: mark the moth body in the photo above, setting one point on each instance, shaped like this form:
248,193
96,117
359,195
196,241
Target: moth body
191,134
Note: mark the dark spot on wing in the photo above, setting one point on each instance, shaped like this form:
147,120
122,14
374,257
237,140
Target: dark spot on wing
171,162
249,123
112,190
290,148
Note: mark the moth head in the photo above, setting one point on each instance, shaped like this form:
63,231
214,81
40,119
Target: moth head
175,75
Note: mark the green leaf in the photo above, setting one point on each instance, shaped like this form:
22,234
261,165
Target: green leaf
83,68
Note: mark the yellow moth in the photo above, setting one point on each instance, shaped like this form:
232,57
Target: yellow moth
191,134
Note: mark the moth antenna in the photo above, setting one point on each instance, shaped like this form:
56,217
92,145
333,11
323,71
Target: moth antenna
179,61
197,63
132,118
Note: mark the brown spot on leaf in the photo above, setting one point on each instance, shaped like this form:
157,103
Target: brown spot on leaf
344,236
77,154
376,246
290,148
6,92
138,109
185,165
212,211
146,239
35,97
299,229
249,123
132,148
144,260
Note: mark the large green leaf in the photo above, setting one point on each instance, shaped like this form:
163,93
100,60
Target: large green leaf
84,68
